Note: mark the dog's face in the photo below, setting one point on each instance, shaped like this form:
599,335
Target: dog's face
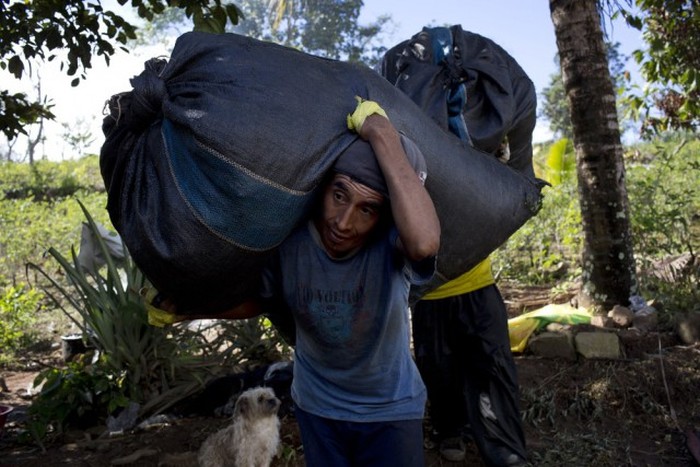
257,403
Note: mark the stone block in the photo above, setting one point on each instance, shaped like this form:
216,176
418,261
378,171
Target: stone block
604,345
553,345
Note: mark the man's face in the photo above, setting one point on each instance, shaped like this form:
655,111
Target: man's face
350,212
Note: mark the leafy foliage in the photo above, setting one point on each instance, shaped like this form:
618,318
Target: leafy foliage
47,180
32,32
18,307
666,192
16,111
559,165
78,136
545,249
670,64
327,29
133,362
665,202
78,395
555,108
28,228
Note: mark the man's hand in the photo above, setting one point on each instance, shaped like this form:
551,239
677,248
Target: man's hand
363,110
160,318
161,311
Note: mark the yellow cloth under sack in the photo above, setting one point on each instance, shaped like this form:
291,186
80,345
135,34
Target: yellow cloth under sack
521,327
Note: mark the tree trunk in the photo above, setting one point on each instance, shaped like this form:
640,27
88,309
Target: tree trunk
33,143
608,273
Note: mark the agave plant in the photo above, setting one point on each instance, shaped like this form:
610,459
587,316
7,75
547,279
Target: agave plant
157,367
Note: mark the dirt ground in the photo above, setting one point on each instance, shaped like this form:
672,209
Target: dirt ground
643,410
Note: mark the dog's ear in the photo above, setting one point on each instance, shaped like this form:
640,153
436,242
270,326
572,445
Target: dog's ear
242,405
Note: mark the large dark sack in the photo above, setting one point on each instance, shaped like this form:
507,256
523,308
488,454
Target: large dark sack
471,87
215,155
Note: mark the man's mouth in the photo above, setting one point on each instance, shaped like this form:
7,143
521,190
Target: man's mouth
335,237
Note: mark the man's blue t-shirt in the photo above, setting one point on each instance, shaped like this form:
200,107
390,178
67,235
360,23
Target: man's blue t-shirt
352,355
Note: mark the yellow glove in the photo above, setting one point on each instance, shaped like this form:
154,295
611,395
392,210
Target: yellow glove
363,110
160,318
156,316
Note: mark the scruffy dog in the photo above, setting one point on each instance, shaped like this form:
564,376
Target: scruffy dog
252,439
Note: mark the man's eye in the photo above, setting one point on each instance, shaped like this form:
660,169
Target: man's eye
368,211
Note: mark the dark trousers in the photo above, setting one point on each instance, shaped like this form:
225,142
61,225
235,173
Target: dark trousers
463,354
339,443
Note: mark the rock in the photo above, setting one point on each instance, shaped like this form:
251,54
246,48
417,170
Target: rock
598,345
646,319
70,447
557,327
601,321
621,316
553,345
688,327
125,420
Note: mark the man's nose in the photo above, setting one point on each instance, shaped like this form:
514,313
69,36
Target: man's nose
345,219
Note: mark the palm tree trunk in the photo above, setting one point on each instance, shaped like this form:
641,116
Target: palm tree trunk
608,273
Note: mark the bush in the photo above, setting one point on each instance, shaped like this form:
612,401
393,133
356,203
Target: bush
78,395
18,307
664,191
47,180
546,249
29,228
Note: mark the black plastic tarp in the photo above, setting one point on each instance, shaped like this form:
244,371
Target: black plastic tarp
217,153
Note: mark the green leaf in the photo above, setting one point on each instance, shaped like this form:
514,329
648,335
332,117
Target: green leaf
219,15
15,66
234,13
555,161
635,22
198,20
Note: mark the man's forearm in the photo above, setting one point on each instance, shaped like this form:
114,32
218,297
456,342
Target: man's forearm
411,206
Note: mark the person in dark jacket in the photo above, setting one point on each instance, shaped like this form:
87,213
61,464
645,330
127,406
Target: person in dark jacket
474,89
